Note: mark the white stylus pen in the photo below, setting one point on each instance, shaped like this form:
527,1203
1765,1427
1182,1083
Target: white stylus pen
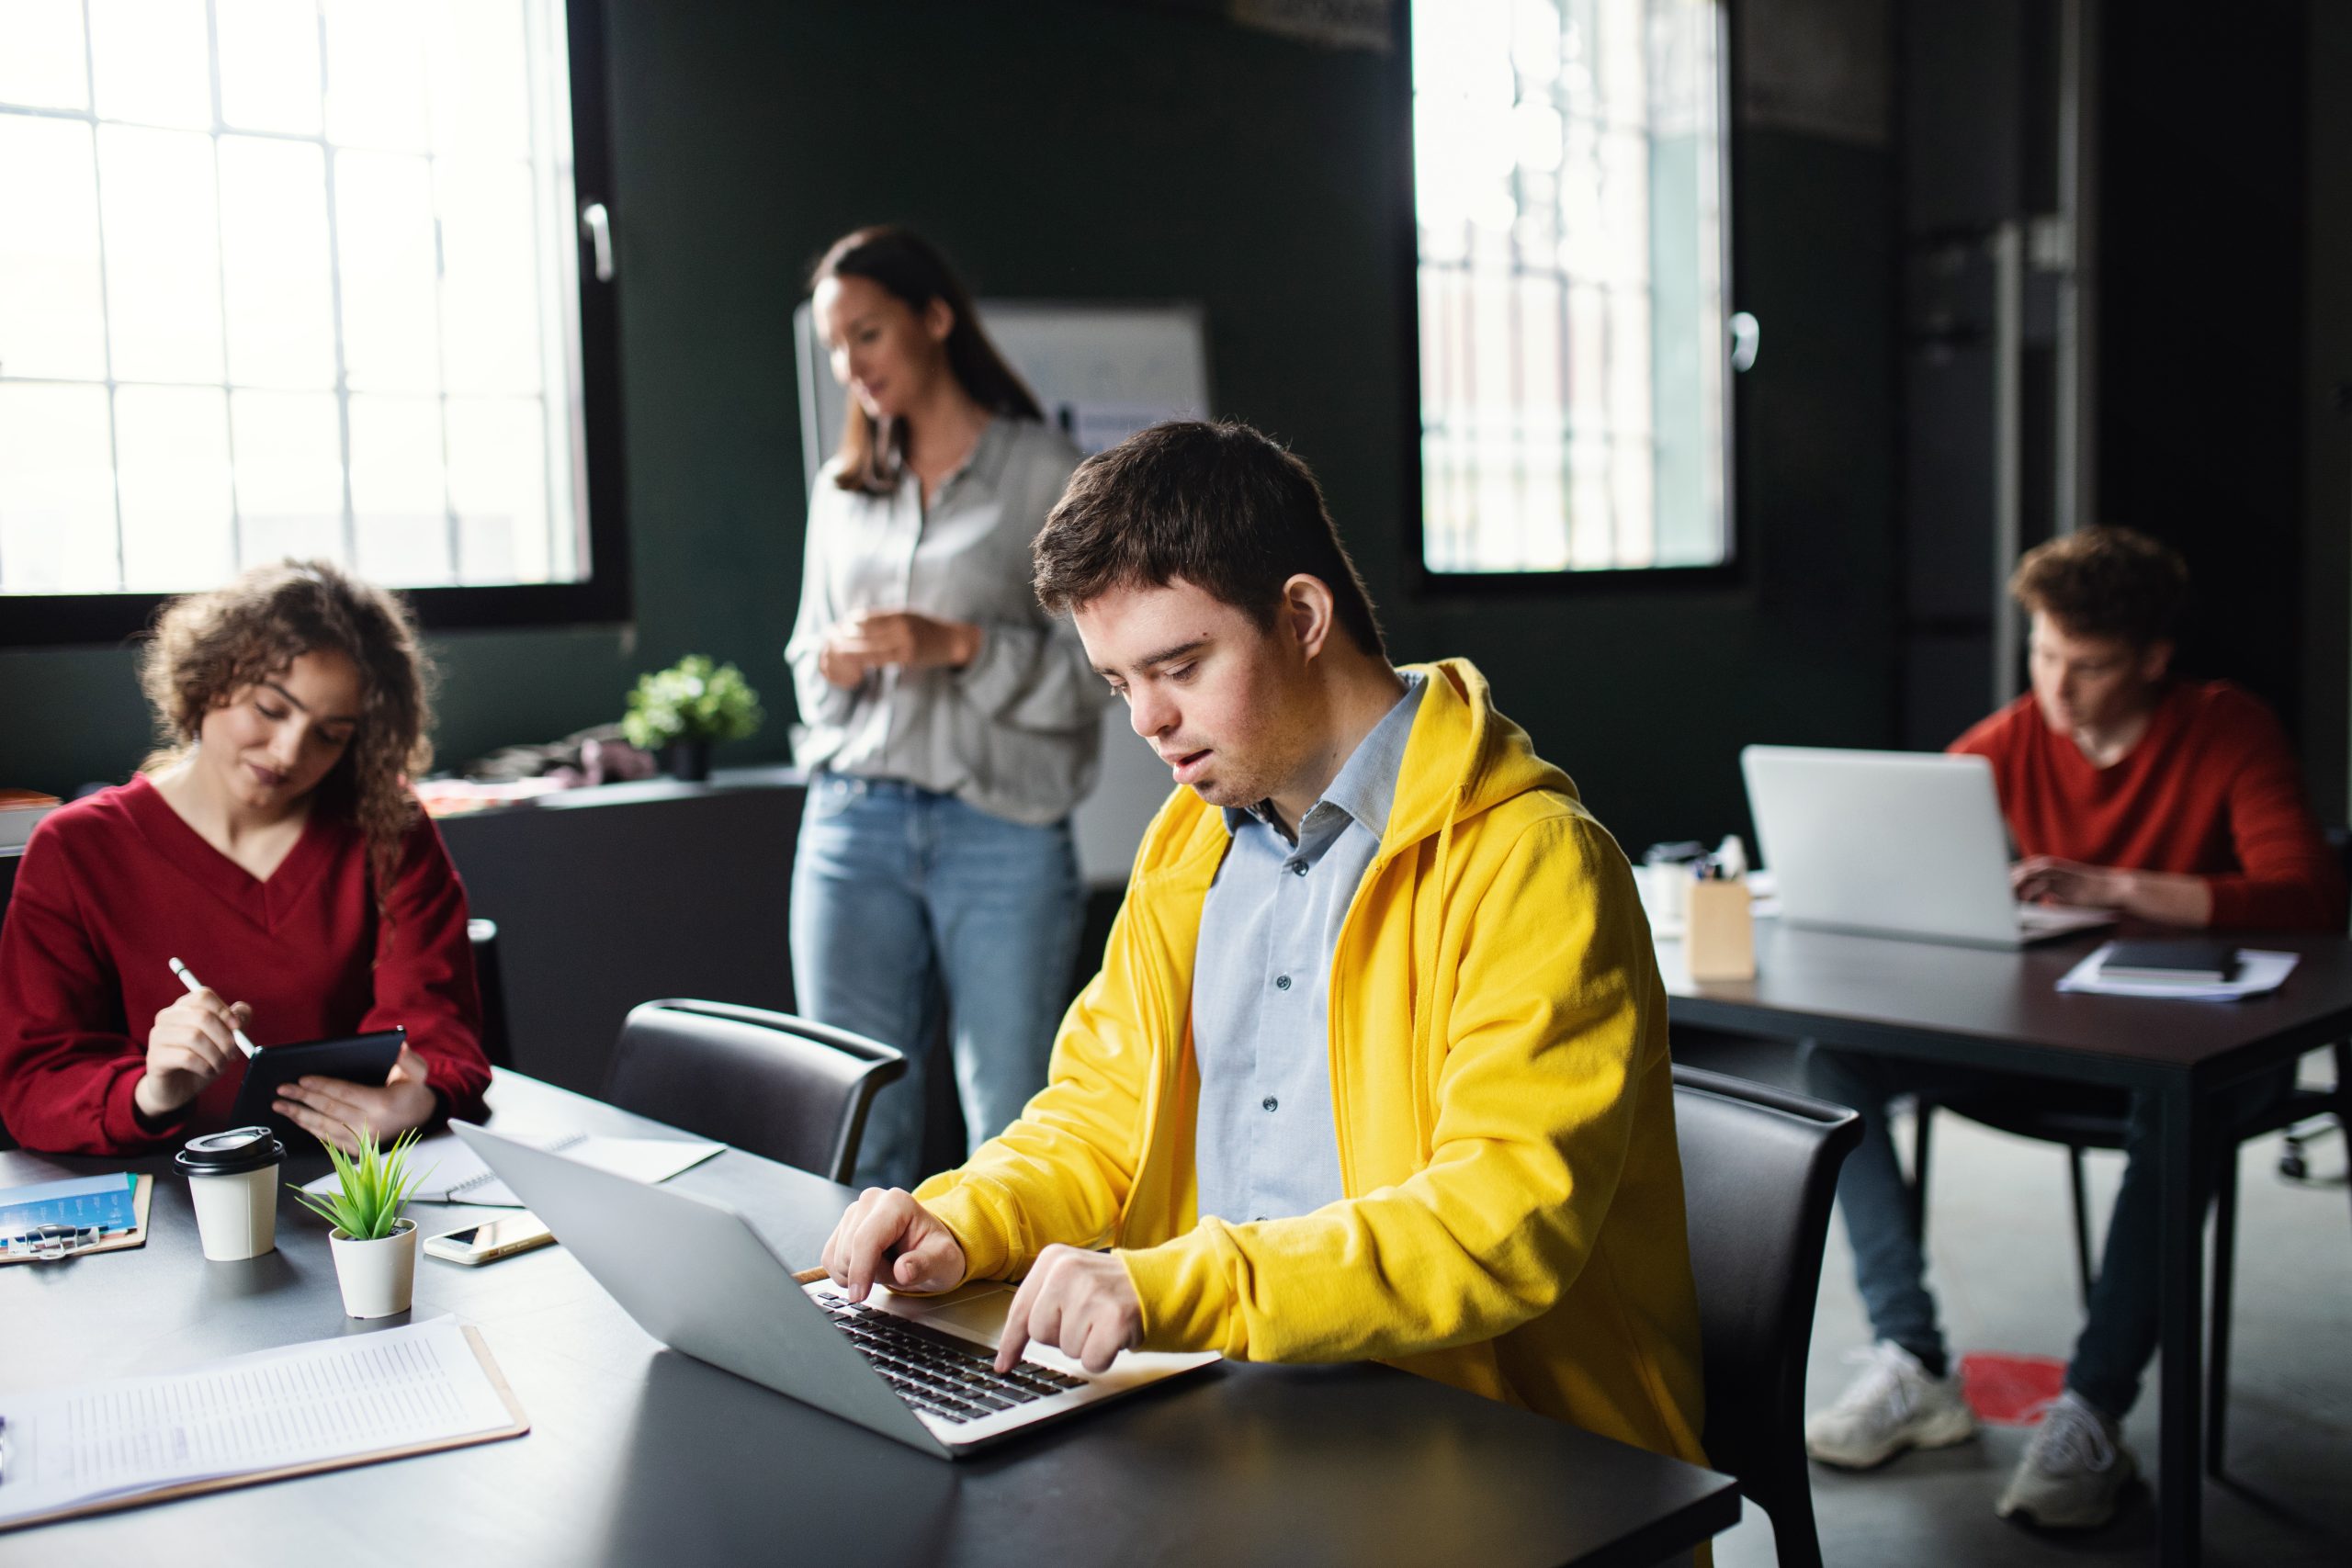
189,979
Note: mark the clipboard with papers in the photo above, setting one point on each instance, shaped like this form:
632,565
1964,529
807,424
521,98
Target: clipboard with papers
296,1410
50,1220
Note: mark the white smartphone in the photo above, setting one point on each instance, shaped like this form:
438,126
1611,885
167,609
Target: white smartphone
494,1239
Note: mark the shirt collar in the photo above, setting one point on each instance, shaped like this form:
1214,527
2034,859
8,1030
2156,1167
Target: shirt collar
983,465
1366,785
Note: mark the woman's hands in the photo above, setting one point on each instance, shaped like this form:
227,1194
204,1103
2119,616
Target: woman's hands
337,1110
908,638
192,1043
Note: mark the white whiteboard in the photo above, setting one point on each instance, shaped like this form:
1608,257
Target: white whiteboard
1101,372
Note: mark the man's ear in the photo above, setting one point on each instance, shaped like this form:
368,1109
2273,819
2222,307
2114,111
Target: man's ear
1307,612
2155,661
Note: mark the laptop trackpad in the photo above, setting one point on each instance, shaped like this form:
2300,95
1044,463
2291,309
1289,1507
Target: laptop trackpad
975,1310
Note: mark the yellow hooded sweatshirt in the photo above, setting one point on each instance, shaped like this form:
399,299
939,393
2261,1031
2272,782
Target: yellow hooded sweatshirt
1500,1092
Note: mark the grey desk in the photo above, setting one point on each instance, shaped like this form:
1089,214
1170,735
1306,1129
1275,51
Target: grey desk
638,1454
2002,1010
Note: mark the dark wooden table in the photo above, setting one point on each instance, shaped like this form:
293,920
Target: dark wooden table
1989,1009
639,1454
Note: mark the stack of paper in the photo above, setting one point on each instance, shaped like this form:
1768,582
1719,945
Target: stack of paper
306,1407
455,1173
2258,971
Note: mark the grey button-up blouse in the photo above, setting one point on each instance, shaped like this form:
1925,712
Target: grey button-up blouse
1015,732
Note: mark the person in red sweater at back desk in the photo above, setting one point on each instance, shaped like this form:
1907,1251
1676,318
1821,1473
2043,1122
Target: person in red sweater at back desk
277,849
2125,789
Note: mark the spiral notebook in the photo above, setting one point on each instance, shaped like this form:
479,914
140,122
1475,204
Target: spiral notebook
455,1173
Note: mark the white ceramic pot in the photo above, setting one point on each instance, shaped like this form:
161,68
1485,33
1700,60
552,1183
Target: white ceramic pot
379,1278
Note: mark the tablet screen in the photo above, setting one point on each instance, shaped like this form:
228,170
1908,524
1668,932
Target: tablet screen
361,1058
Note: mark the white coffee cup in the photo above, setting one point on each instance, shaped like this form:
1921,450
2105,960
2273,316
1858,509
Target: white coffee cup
232,1179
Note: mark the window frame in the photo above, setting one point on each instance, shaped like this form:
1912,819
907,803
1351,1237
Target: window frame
1424,584
604,597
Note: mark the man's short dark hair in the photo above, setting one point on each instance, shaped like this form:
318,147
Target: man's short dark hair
1219,506
2108,583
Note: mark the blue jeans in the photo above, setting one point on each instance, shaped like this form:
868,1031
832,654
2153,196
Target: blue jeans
2120,1333
900,895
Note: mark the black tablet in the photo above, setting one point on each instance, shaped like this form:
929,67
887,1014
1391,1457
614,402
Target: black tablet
362,1058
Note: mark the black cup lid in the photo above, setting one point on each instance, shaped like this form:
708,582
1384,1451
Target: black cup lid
231,1153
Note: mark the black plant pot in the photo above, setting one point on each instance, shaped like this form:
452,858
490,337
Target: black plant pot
687,761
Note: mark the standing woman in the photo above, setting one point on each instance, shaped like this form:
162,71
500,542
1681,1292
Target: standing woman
274,846
949,726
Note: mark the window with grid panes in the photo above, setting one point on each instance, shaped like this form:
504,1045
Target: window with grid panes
1570,245
286,277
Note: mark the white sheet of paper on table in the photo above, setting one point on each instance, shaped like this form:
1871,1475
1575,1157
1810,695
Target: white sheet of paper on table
2258,971
300,1403
455,1173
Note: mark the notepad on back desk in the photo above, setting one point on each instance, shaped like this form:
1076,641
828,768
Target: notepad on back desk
453,1173
2188,961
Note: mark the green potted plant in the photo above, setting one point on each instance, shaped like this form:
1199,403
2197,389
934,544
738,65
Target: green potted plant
681,711
375,1249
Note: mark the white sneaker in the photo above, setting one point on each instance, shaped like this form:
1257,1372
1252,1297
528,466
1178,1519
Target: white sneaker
2073,1472
1893,1404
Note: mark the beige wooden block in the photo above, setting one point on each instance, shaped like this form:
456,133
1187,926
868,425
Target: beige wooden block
1721,940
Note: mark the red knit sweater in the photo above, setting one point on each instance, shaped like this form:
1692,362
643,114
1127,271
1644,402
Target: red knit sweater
2211,789
112,887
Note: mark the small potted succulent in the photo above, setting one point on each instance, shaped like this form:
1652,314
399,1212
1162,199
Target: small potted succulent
375,1249
681,711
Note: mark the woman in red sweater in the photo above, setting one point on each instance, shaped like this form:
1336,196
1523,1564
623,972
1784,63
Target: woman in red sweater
274,847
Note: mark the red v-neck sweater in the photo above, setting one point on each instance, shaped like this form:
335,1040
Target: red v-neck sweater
112,887
2211,789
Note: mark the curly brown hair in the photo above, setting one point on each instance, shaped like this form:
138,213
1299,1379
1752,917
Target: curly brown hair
2107,582
204,647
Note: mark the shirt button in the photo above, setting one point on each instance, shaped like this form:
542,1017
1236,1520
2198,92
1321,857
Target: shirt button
1298,868
1281,982
1271,1103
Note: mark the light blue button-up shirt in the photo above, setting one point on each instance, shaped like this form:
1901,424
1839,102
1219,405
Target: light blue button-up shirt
1264,1144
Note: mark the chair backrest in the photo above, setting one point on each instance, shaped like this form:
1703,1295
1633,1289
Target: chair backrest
482,936
764,1082
1759,1170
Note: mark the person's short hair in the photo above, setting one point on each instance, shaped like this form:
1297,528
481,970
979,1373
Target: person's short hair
1219,506
2108,582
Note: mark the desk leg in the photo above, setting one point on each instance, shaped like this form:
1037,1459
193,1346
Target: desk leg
2181,1254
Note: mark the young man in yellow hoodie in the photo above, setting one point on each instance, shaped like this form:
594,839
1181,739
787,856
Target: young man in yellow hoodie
1376,1064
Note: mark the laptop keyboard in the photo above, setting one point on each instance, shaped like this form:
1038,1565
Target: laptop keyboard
938,1373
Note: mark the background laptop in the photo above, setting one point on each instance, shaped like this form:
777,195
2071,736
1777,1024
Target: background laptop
697,1277
1894,844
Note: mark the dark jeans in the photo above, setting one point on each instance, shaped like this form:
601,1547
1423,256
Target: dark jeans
2120,1336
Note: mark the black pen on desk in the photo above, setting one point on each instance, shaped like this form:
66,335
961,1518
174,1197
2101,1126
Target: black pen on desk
187,978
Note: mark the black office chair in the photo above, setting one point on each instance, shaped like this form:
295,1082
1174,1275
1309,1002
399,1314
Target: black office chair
2087,1117
495,1043
1760,1172
764,1082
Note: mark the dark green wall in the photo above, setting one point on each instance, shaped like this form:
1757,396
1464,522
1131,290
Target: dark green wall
1083,149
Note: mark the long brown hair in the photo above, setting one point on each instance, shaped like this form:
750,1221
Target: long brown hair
206,647
905,263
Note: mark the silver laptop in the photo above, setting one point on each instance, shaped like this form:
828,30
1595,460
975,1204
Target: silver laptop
697,1277
1894,844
